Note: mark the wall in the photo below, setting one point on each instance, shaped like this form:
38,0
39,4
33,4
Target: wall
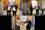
39,2
1,0
29,3
43,3
6,1
18,3
29,18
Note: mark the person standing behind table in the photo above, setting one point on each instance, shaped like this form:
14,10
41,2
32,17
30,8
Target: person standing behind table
8,8
28,24
37,10
14,6
31,9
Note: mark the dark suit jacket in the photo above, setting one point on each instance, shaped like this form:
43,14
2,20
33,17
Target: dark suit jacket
29,24
38,7
31,9
7,6
15,6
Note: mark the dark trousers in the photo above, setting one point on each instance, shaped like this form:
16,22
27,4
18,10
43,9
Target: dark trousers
27,28
14,12
30,12
37,12
8,12
17,27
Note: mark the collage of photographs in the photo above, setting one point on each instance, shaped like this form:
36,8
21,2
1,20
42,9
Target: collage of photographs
22,12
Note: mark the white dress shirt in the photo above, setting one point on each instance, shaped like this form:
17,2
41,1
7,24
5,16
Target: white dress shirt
37,7
14,9
8,8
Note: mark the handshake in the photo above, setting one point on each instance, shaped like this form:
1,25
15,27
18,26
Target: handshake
23,23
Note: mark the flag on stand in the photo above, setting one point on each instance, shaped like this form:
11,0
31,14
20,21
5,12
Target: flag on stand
21,5
32,22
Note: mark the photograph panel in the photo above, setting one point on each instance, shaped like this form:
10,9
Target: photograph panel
25,23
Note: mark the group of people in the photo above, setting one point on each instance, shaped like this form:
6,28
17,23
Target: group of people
18,23
14,7
10,7
36,8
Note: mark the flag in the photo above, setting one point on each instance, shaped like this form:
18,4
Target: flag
32,22
21,5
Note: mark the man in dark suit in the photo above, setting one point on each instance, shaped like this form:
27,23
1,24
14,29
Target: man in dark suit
31,9
28,24
14,10
8,8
